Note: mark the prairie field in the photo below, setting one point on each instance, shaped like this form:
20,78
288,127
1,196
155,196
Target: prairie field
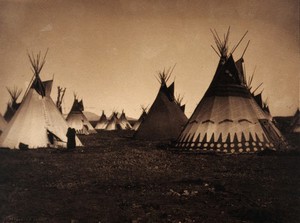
115,178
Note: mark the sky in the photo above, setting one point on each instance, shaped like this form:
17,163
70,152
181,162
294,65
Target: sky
109,52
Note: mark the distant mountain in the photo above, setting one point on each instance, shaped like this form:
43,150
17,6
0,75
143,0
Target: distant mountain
94,117
91,116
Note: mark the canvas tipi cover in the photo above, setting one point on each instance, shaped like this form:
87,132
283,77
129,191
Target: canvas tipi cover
165,118
12,105
113,122
102,123
37,122
123,122
77,120
3,124
295,124
140,120
228,119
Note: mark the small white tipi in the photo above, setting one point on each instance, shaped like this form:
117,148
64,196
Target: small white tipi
37,122
123,122
77,120
102,123
113,122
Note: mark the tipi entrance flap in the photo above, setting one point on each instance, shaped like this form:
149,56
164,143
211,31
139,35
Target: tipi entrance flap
54,140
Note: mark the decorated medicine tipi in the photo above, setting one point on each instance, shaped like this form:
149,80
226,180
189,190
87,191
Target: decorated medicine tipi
228,119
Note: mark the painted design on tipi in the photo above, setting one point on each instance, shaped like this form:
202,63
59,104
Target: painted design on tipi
228,119
37,123
165,119
77,120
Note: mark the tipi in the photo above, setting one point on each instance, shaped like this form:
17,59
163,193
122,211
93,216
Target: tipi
102,123
140,120
37,122
77,120
165,118
123,122
3,124
228,119
12,105
113,122
295,124
257,97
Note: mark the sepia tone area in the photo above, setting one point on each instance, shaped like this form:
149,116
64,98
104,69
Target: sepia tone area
173,111
108,52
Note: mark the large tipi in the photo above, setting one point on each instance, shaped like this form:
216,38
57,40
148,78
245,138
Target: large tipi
37,122
165,118
102,123
228,119
77,120
3,124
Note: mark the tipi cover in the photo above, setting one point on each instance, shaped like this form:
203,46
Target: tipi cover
12,105
295,124
123,122
37,122
165,118
113,123
140,120
228,119
102,123
3,124
77,120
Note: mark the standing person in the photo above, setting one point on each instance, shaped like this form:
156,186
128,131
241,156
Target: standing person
71,134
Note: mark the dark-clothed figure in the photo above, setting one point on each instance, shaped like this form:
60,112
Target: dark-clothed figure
71,134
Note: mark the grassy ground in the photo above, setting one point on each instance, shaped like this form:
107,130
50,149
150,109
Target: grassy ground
117,179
